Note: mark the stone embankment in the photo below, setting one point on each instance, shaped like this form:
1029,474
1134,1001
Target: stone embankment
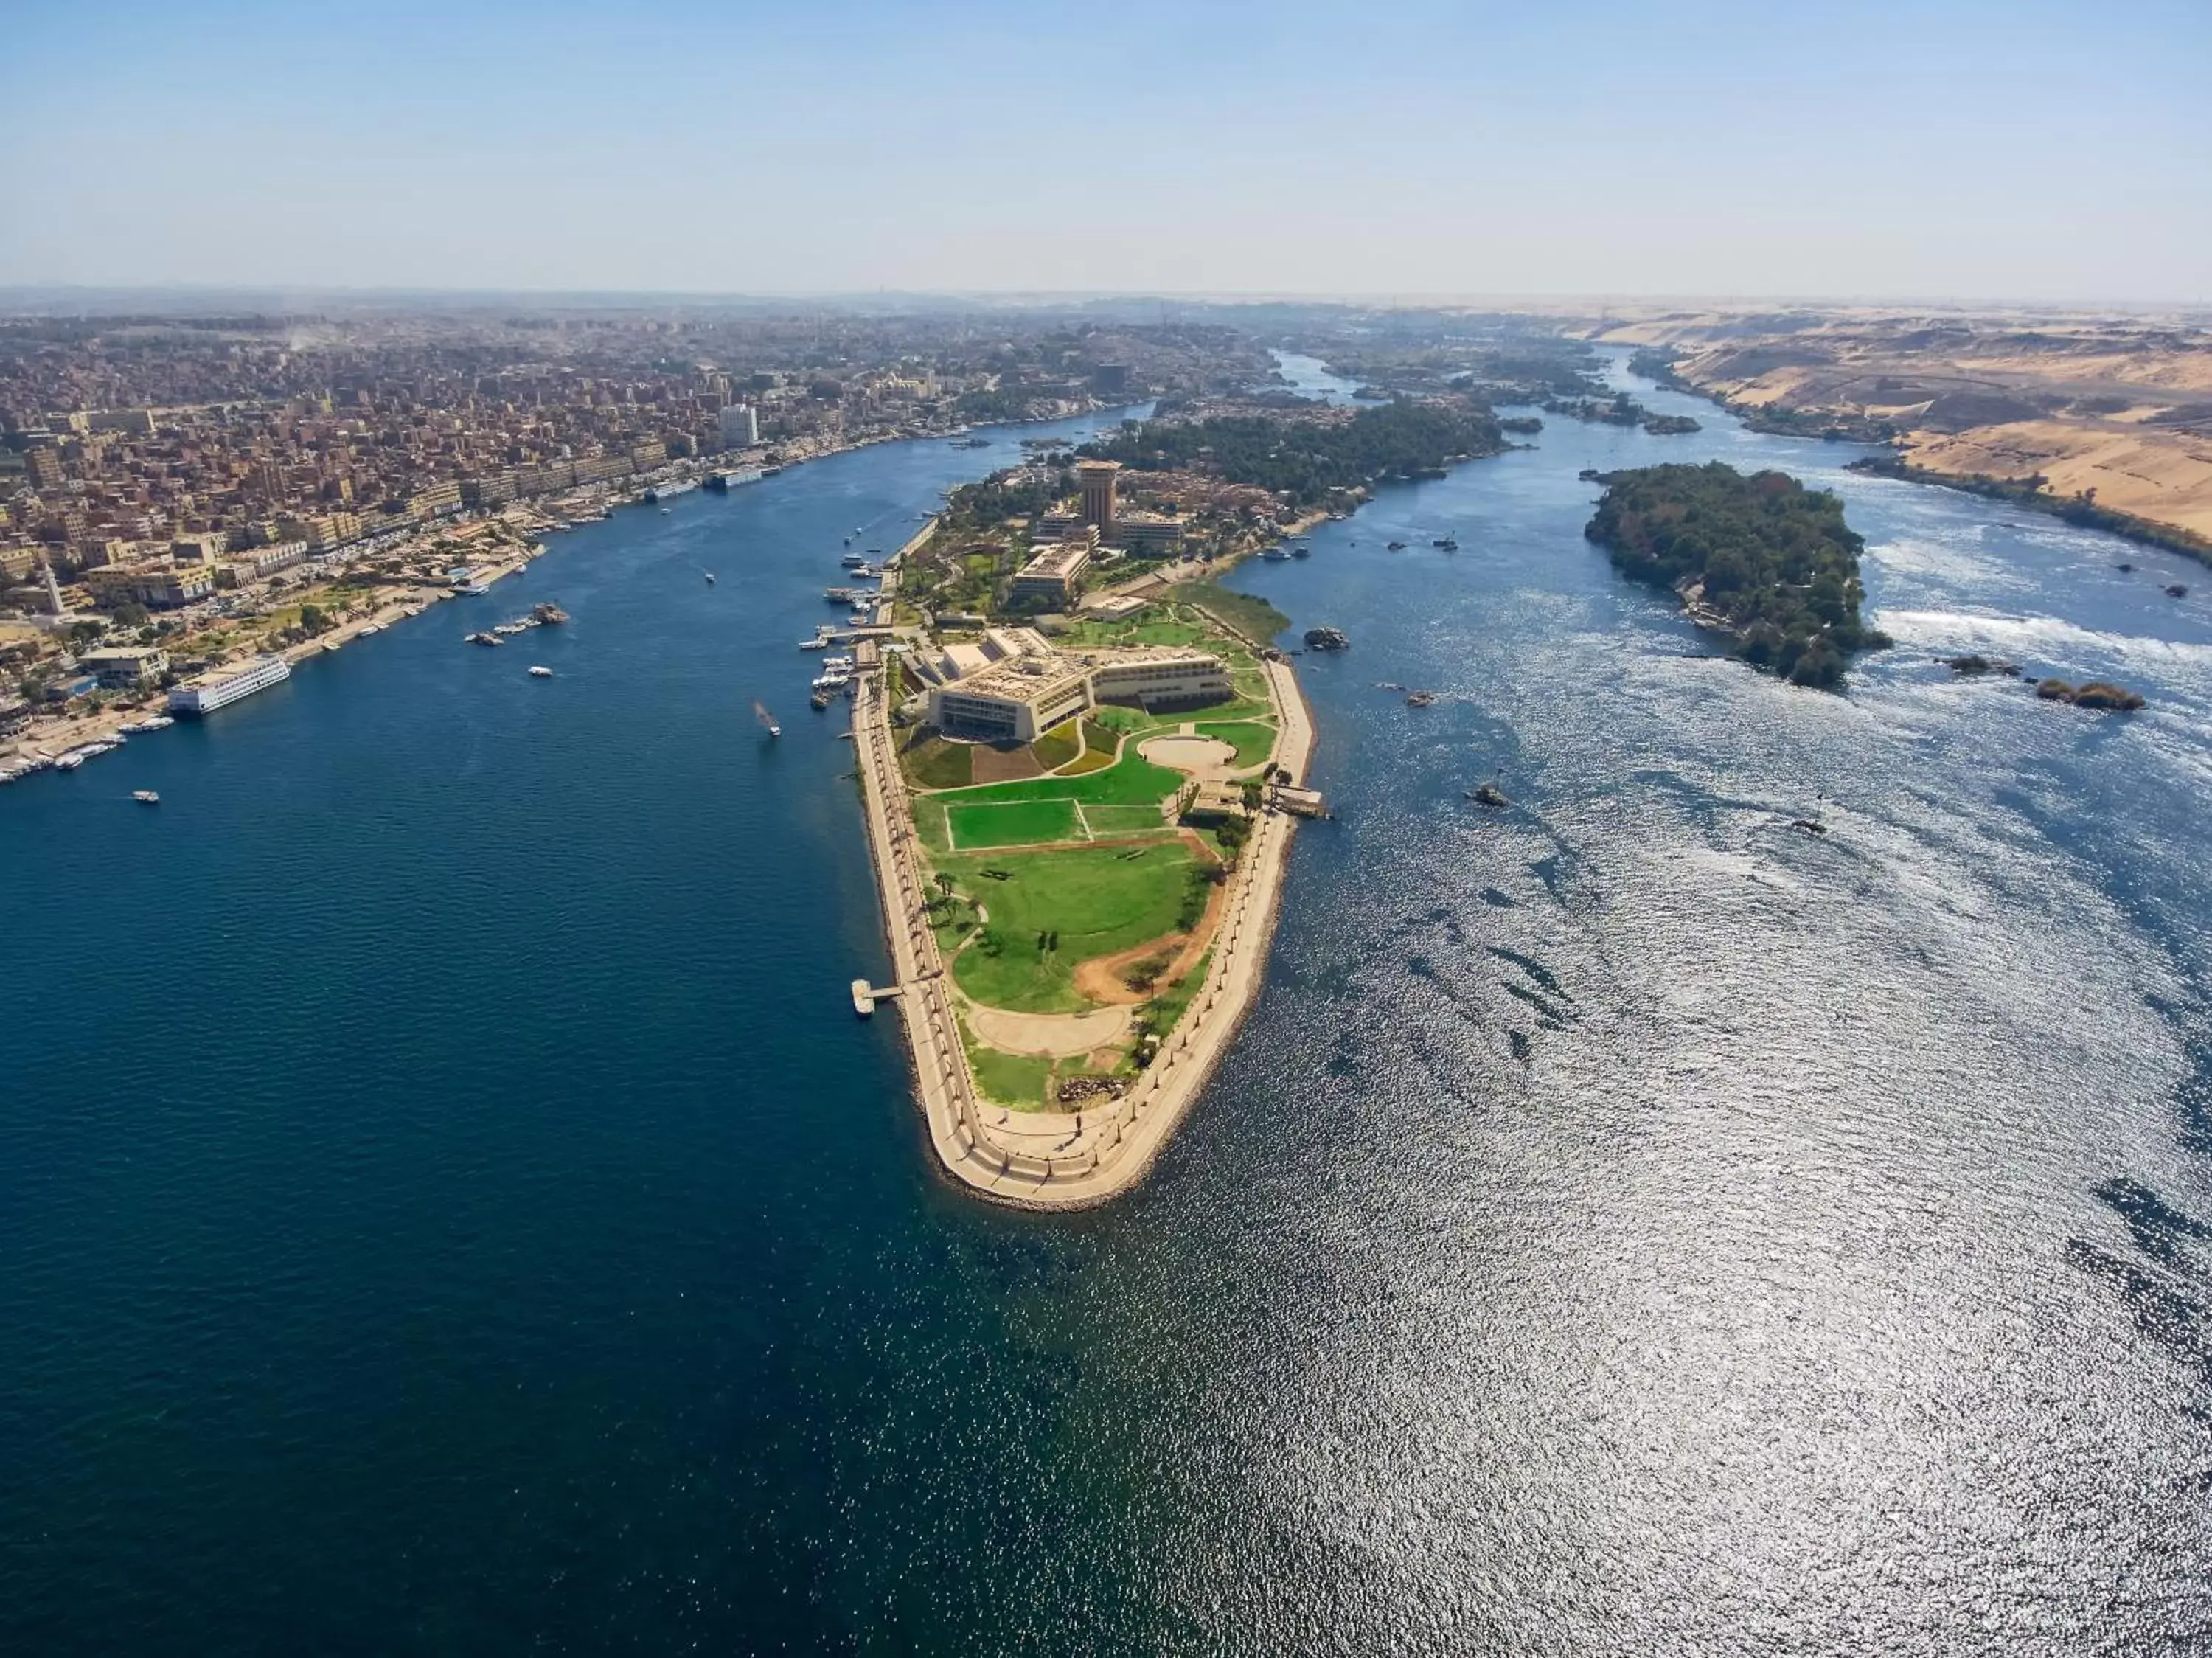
1055,1159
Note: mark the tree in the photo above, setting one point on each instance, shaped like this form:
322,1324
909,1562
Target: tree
84,632
312,618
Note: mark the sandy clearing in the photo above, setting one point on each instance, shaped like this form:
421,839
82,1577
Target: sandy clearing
1200,757
1048,1035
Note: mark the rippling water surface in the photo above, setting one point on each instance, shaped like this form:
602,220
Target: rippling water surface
445,1204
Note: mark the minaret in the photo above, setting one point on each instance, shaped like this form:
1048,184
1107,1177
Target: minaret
53,588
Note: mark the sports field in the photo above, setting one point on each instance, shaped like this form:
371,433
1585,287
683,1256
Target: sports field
1014,823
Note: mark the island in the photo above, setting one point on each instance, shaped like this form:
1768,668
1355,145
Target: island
1082,762
1762,559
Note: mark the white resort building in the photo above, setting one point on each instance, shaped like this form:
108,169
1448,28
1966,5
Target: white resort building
1017,694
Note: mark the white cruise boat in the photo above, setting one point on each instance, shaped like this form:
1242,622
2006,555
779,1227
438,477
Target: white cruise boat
227,686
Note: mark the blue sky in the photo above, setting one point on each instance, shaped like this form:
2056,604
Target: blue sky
1953,147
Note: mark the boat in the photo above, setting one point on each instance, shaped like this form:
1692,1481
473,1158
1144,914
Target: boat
1422,699
474,590
539,672
224,687
1300,550
145,797
1446,542
766,719
1275,556
485,639
373,627
831,681
819,700
709,575
550,615
1397,547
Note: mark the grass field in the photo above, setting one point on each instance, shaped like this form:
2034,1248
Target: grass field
1135,781
1019,1080
934,763
1095,900
1122,819
1013,823
1135,721
1252,740
1059,746
1149,628
1254,617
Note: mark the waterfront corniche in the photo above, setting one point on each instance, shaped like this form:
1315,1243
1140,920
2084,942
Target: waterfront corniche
449,1202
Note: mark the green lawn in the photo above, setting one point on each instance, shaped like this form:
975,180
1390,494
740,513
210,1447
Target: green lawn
1146,628
1254,616
1135,721
1014,823
929,823
1171,1004
1096,900
1135,781
934,763
1019,1080
1252,740
1122,819
1059,746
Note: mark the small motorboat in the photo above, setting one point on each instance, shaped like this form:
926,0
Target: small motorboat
145,797
540,671
709,575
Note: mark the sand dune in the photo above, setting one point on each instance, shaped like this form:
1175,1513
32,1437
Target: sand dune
2122,406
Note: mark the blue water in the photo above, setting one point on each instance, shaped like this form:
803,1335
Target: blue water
446,1205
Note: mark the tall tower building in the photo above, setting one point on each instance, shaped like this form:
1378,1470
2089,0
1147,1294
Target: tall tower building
1096,477
740,427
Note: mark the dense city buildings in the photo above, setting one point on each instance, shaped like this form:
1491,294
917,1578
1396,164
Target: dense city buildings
182,496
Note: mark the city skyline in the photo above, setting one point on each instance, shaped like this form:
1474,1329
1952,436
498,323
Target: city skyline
1885,154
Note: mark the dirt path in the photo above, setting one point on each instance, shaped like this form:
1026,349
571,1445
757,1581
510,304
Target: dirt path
1100,978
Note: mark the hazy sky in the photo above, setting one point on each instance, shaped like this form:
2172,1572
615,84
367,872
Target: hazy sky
1966,148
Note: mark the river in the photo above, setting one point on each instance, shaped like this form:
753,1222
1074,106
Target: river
446,1203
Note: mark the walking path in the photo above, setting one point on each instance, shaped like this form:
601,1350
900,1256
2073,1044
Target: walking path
1063,1160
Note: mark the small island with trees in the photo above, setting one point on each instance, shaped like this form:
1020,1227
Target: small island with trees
1763,559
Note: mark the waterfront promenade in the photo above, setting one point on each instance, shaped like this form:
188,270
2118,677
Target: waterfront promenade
1060,1160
